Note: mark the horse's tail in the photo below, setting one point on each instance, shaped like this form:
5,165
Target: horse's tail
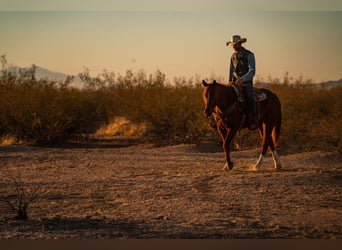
276,131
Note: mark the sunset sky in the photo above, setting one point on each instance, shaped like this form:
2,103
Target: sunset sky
182,38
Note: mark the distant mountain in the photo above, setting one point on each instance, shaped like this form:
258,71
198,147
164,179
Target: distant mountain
327,84
331,84
42,73
45,73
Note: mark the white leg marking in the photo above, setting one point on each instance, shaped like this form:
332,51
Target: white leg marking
276,160
259,162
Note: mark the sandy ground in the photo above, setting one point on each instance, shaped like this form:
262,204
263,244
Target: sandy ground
142,191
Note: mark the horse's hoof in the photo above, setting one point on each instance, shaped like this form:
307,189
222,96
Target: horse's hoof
230,165
255,167
277,167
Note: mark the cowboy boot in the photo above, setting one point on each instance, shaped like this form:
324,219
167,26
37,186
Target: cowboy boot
253,115
253,122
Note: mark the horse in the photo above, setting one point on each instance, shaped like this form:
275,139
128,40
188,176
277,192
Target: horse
224,102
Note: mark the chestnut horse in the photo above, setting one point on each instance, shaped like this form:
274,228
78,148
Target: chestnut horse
224,101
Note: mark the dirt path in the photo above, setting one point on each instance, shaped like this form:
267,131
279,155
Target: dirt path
172,192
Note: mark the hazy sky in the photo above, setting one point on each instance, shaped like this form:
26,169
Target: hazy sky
179,39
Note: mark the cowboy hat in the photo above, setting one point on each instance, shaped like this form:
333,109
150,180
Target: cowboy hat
236,39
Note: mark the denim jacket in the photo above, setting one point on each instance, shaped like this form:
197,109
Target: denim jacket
243,64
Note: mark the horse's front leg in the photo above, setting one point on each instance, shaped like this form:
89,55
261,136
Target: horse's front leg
227,137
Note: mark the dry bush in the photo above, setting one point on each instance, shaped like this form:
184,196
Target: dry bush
20,196
48,112
172,113
311,115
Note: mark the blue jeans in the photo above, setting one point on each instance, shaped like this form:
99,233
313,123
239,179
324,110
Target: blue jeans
247,89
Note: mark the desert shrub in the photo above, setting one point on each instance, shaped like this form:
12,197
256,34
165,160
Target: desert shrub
20,195
172,112
49,112
44,111
311,115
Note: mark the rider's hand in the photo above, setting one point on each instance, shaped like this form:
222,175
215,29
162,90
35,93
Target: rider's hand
239,81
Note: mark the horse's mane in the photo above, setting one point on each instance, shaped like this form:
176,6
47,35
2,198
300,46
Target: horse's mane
227,93
229,84
224,86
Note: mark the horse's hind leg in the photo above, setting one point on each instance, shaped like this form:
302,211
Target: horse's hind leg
275,155
276,160
265,133
261,157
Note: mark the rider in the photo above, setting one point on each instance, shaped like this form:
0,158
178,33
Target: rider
242,71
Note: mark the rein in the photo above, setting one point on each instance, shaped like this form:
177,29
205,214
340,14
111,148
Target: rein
224,115
229,110
233,106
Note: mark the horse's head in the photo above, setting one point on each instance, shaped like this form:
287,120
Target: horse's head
209,97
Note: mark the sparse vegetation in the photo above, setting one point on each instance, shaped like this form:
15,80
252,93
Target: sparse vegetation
168,112
161,192
21,197
311,116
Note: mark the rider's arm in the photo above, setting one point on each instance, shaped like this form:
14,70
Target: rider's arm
251,69
231,70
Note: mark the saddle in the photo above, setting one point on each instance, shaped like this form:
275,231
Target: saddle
259,94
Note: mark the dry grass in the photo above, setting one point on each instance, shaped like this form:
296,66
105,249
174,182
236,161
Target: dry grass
7,140
121,126
51,113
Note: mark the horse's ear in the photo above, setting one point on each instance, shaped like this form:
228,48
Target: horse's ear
205,84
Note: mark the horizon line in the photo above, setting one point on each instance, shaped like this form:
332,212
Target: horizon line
257,78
